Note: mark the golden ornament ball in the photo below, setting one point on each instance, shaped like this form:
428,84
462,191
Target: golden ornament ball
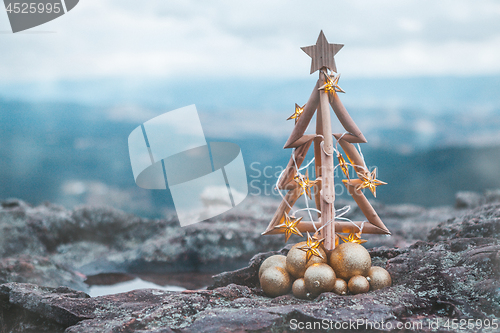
273,261
275,281
379,278
319,278
349,259
358,285
340,287
296,260
299,289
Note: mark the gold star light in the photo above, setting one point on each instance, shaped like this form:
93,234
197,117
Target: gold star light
289,226
311,248
343,165
305,183
298,112
352,238
332,84
369,180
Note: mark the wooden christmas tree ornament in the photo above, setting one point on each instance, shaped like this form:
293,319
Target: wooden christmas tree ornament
327,157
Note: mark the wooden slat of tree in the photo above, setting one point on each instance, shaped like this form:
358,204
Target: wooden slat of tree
348,137
304,139
305,117
343,227
290,170
292,185
345,118
327,184
353,155
365,206
317,166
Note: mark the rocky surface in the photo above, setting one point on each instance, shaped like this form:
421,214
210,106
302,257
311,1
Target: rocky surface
450,275
52,246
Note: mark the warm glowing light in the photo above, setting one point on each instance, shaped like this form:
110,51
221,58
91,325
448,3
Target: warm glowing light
332,84
343,165
369,180
289,226
311,248
297,113
352,238
305,183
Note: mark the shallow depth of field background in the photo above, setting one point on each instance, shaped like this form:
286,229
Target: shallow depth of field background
422,81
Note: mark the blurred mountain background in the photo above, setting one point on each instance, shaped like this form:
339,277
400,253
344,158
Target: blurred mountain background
66,142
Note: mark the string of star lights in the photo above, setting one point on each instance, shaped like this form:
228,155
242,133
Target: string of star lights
331,258
306,184
368,180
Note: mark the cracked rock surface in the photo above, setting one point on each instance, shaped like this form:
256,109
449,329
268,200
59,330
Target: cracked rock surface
51,246
451,273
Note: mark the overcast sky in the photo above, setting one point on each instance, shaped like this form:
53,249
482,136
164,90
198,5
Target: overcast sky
262,38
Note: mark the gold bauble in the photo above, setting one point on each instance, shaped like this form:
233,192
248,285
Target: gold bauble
275,281
340,287
379,278
273,261
319,278
299,289
296,260
358,285
349,259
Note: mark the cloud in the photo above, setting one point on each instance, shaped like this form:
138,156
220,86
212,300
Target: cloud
221,38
